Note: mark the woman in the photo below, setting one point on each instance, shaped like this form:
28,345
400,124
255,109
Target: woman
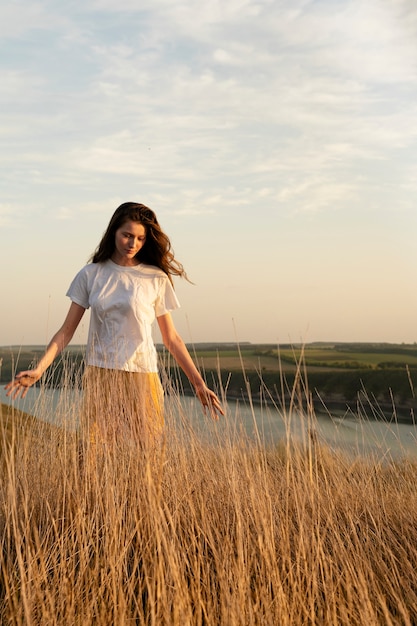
127,284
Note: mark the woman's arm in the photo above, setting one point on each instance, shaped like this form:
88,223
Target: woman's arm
59,341
176,346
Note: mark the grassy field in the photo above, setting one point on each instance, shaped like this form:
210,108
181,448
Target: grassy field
262,357
336,373
231,533
14,425
316,357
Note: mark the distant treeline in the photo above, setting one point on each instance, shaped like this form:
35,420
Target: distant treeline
383,348
389,385
391,391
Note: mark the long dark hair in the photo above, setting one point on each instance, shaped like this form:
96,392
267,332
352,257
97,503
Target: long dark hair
157,248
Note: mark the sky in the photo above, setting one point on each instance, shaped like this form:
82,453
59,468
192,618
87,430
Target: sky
276,140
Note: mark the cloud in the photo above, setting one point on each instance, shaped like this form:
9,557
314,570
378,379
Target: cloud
175,94
17,18
7,212
251,126
316,195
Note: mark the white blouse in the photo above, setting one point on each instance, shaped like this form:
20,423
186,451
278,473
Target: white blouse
125,302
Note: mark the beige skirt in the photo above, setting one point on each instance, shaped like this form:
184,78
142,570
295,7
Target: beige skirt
122,407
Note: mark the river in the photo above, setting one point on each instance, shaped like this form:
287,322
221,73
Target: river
383,439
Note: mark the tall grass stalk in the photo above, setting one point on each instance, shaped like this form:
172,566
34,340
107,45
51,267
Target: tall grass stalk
222,532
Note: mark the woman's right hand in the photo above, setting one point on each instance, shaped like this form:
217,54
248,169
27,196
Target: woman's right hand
20,384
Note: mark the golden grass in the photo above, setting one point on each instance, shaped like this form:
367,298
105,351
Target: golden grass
229,533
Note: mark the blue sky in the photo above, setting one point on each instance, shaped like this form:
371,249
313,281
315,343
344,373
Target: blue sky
275,139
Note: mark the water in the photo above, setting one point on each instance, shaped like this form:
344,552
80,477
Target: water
266,424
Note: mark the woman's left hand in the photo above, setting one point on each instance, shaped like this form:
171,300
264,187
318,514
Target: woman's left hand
210,401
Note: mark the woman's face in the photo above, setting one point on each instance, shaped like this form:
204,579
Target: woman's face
129,239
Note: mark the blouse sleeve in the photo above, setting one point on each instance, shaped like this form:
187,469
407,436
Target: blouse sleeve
167,299
78,290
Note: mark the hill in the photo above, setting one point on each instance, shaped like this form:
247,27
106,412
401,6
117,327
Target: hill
337,374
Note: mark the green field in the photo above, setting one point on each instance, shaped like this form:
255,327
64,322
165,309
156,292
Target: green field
318,357
335,373
332,371
258,357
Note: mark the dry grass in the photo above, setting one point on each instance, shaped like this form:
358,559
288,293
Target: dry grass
230,533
